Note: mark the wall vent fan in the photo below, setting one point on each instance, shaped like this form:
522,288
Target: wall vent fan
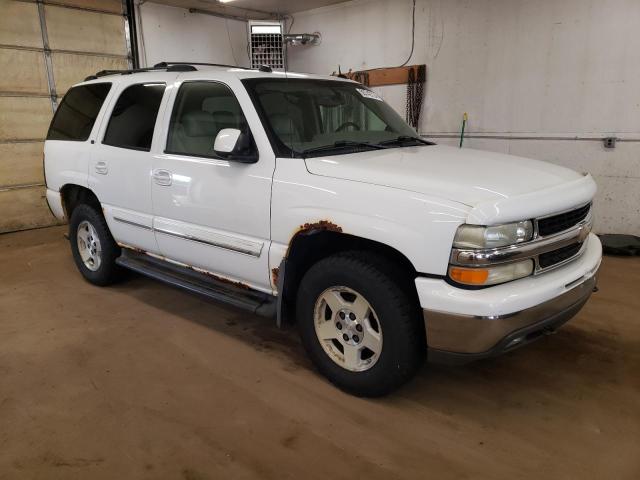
266,44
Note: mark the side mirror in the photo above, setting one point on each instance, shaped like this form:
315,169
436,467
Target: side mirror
232,144
226,140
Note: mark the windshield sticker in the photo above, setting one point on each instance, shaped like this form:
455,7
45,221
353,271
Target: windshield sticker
369,94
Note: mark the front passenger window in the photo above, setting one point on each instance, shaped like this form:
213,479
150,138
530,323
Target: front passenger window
201,110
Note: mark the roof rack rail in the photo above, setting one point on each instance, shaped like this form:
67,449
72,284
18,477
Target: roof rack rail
170,67
169,64
183,67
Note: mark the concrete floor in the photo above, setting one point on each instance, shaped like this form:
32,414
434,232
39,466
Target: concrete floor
145,381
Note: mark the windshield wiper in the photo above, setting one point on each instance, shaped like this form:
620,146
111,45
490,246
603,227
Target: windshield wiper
406,139
342,144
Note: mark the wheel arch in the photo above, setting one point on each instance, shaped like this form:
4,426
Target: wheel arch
73,195
311,245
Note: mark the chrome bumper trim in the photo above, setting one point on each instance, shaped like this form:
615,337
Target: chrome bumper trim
485,336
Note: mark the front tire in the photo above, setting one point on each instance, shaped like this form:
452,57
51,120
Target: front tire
94,249
360,323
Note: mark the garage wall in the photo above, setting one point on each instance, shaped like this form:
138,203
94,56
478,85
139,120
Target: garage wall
173,34
533,77
45,47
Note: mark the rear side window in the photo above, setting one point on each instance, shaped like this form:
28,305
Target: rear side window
77,113
134,116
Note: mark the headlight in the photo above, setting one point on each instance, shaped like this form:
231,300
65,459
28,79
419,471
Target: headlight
476,236
491,275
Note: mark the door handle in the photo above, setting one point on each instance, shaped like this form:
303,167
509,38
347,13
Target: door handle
102,168
162,177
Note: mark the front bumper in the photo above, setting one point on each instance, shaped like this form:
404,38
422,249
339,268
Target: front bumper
464,325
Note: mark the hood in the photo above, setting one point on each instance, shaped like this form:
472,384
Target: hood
462,175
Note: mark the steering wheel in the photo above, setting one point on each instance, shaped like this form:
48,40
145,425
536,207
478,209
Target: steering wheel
347,124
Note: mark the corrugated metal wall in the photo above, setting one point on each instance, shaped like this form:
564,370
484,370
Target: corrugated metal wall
45,47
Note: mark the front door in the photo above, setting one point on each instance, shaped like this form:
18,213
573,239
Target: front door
210,213
120,165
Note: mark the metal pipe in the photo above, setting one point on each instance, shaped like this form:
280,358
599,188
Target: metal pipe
523,137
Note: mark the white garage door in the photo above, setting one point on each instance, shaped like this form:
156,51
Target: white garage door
45,47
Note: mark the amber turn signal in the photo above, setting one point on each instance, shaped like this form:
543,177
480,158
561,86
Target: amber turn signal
469,276
491,275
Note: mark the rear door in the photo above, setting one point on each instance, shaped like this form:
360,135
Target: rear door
70,140
120,167
212,213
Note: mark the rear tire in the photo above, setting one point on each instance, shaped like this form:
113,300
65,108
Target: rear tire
94,249
360,323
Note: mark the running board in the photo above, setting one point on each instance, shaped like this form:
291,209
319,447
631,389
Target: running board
214,288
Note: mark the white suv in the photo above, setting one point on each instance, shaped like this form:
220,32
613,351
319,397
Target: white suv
308,199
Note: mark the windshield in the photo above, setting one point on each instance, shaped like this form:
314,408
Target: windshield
306,117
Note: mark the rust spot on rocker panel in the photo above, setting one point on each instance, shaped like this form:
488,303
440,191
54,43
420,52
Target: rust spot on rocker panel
218,278
237,284
132,248
241,285
274,275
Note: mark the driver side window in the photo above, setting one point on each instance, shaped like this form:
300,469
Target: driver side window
200,111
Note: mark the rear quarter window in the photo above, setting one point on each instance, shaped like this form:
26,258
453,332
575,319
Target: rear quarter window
77,112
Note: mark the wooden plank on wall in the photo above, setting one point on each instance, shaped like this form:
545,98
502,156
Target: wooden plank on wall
19,24
21,164
78,30
69,69
24,117
378,77
23,71
24,208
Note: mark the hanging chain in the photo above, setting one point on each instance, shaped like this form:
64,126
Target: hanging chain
415,95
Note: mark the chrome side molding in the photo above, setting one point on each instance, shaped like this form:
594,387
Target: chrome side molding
133,224
254,252
254,249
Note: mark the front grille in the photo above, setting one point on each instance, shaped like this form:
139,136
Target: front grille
554,257
562,221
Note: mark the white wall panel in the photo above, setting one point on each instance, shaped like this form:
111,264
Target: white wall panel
19,24
23,71
24,208
114,6
519,68
78,30
21,164
71,68
174,34
24,118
